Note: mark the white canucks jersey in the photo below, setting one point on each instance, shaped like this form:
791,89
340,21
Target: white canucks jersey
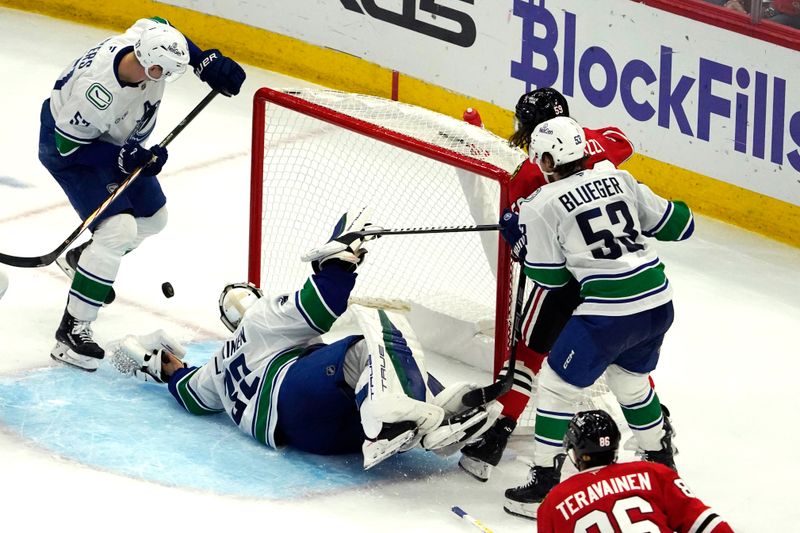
593,226
90,102
245,376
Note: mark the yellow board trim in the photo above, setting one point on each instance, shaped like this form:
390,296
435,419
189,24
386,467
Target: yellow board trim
331,68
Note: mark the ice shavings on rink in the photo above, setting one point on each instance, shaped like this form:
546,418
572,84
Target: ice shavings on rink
128,427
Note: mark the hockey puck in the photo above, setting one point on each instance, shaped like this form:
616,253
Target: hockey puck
167,289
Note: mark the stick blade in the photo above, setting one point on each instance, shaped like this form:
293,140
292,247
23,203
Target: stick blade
27,262
484,395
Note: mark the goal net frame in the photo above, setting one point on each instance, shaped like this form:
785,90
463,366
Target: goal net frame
284,98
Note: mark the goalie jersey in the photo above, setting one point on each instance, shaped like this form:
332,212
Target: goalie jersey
245,376
89,102
594,225
632,496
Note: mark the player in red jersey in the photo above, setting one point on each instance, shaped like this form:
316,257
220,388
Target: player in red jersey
548,310
608,496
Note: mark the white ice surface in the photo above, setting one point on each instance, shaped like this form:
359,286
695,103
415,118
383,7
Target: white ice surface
728,370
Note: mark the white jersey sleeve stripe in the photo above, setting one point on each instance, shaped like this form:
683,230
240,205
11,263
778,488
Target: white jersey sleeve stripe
190,399
664,218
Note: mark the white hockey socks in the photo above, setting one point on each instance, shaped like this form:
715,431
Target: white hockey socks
555,406
640,406
98,266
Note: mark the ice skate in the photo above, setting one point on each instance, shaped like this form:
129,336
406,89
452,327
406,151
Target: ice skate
525,500
479,457
75,345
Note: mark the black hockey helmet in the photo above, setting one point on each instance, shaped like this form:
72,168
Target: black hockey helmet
592,439
532,109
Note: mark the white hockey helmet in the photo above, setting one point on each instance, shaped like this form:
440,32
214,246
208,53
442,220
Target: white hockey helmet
234,301
163,46
561,137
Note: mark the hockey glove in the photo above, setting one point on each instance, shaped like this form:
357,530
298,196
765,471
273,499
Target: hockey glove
153,357
345,244
133,155
512,233
345,248
221,73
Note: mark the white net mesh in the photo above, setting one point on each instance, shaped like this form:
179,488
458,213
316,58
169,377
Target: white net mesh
314,171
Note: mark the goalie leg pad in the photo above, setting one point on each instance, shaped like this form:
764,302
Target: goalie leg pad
392,408
387,397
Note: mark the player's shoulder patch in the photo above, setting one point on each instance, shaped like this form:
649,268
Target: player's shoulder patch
99,96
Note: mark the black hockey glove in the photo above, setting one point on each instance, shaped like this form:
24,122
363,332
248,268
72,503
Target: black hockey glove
133,155
512,233
221,73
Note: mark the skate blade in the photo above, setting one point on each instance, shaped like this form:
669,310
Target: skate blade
523,510
65,268
378,451
480,470
62,353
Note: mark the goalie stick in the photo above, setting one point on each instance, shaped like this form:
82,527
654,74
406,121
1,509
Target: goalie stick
430,229
484,395
44,260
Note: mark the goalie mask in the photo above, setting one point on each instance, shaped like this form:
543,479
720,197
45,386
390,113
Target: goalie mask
161,45
234,301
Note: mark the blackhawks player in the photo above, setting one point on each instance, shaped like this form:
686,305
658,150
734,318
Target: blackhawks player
101,110
608,496
592,225
548,310
367,392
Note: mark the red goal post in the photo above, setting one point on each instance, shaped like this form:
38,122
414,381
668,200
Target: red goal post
292,128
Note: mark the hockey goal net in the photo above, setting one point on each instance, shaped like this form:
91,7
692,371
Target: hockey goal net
318,153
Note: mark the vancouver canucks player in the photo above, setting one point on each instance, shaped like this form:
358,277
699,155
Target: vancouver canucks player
101,110
593,225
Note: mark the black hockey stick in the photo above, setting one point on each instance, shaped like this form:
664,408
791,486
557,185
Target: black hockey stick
431,229
484,395
44,260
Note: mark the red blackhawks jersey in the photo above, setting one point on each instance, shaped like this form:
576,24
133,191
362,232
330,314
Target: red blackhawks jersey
636,496
606,144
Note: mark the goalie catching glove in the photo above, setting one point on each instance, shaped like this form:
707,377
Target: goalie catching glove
345,243
146,356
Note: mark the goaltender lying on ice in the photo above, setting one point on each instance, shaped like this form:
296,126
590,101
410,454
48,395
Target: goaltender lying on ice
277,381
